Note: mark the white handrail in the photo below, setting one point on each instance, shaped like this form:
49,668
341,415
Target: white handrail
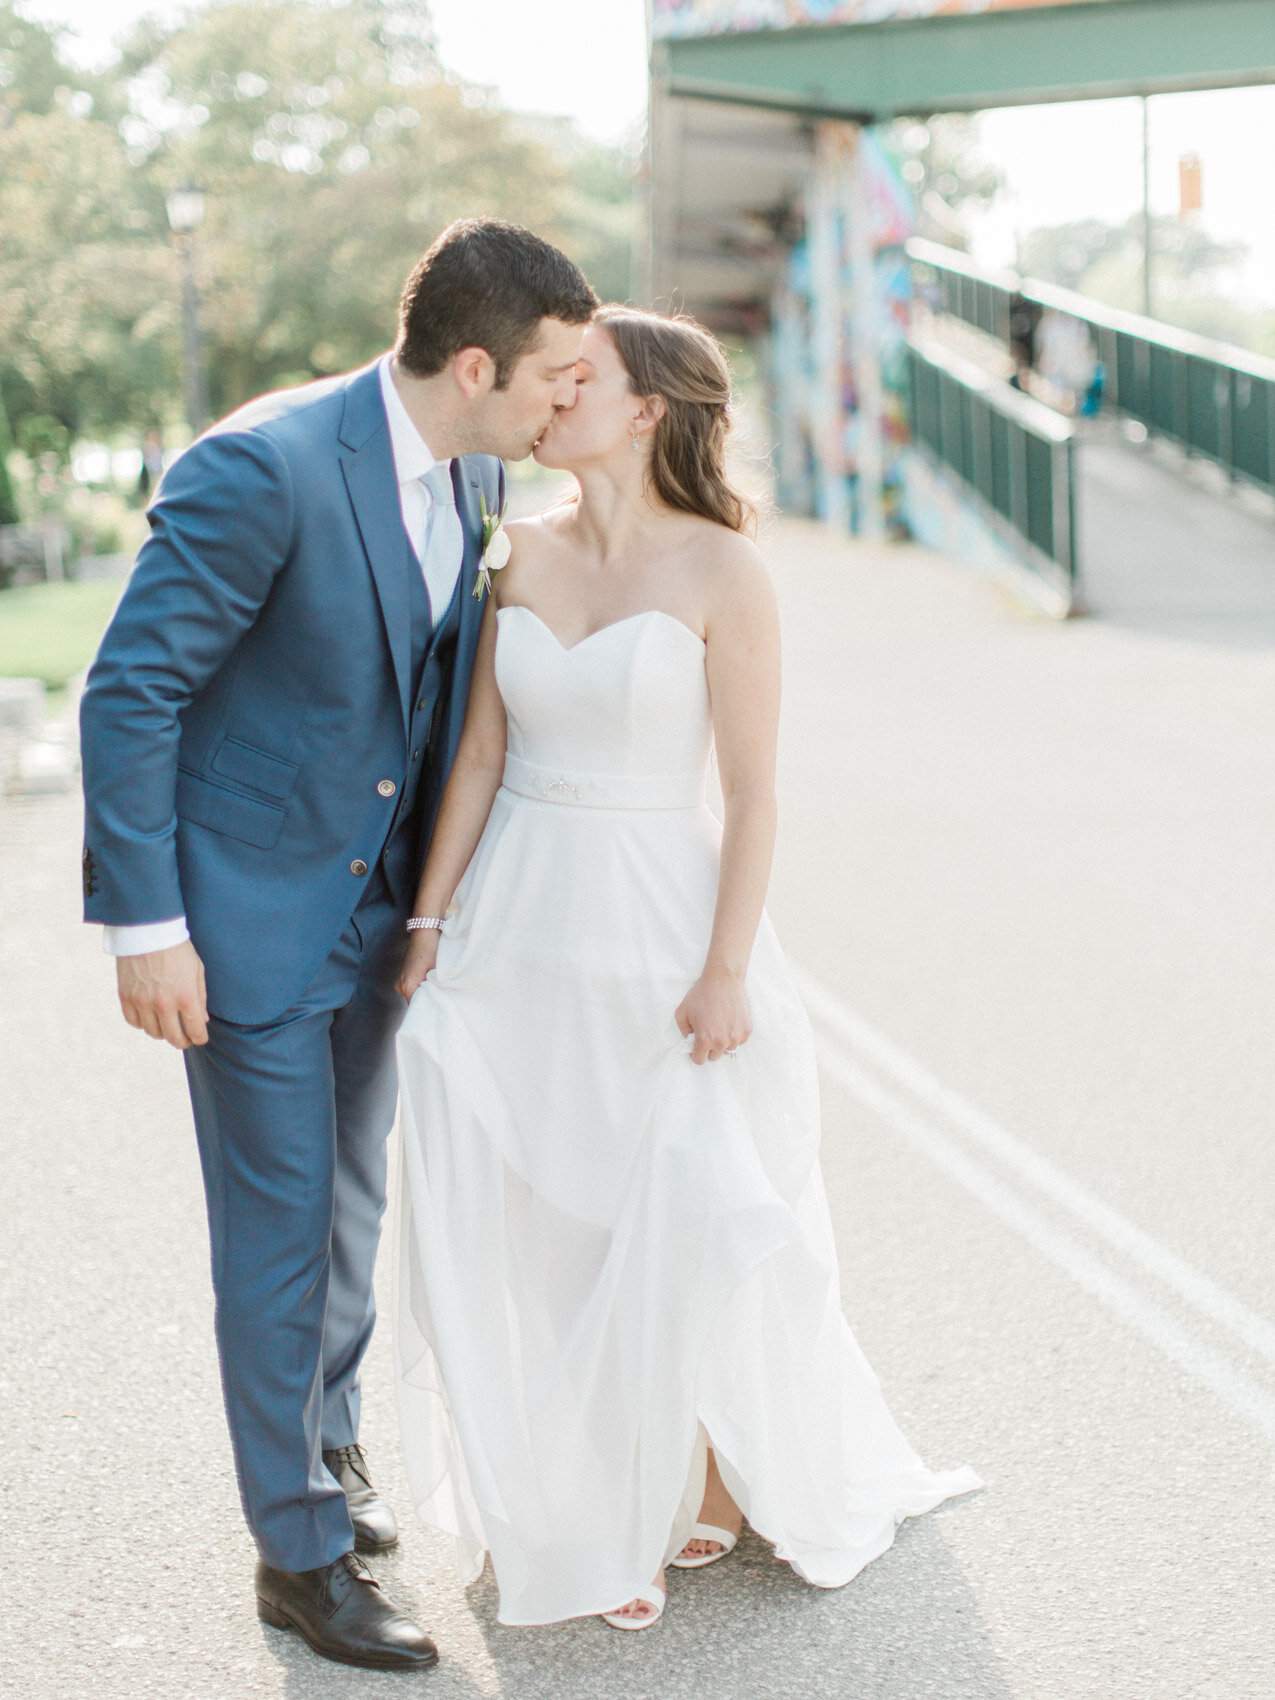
1025,410
1093,312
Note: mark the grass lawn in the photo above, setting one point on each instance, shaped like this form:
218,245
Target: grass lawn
51,631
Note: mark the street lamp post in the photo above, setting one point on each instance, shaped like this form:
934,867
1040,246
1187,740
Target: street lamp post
185,215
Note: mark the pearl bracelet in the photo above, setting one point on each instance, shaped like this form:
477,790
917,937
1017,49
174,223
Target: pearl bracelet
419,923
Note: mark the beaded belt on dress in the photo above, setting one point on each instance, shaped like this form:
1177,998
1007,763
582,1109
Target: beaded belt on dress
603,790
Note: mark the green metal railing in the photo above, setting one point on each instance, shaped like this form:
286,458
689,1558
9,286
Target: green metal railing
1210,399
1015,455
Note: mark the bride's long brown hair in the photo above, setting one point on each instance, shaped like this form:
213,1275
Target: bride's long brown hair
678,360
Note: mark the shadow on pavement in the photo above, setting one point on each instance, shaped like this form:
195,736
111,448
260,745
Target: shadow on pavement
749,1629
303,1675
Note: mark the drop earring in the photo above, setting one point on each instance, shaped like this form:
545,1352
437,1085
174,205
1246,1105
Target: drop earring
636,445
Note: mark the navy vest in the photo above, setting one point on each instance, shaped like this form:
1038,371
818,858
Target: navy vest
433,659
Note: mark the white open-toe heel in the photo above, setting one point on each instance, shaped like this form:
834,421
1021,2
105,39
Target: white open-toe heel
705,1532
653,1596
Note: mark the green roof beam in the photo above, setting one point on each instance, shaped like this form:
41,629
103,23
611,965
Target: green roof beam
964,62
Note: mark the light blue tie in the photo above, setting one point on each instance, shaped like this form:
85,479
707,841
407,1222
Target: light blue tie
444,540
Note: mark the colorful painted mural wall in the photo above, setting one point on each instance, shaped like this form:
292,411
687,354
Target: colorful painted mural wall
793,375
677,18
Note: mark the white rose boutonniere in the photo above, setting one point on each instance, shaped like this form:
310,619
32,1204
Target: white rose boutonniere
496,547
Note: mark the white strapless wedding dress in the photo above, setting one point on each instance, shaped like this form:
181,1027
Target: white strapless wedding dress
608,1254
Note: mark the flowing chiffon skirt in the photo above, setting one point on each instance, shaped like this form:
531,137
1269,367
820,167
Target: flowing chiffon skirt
609,1256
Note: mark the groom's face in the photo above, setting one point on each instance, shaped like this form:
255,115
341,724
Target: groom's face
512,421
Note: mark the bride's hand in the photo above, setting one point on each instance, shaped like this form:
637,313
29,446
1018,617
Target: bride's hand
418,961
715,1010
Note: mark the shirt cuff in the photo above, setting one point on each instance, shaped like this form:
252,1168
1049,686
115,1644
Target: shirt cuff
140,941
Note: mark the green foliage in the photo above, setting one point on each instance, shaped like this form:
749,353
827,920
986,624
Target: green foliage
332,148
51,631
333,151
88,281
943,163
102,522
955,163
29,68
39,434
595,208
1184,258
9,514
1105,262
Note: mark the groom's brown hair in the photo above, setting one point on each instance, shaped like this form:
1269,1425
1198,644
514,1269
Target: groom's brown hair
484,283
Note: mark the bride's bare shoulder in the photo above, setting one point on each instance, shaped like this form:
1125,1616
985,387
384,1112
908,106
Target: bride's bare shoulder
731,569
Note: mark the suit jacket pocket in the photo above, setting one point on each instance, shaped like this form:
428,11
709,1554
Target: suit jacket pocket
250,766
230,812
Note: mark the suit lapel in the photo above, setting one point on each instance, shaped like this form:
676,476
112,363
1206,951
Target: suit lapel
469,507
367,464
368,467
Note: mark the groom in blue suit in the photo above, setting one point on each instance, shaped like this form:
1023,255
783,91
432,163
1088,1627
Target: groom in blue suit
266,733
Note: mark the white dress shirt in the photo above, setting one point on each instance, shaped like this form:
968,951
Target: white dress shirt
412,462
441,567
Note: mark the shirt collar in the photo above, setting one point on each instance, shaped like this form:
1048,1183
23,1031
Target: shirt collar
412,456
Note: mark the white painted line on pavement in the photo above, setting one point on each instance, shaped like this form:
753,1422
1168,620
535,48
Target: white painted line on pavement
1189,1283
1244,1397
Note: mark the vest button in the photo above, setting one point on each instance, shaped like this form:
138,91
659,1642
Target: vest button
416,755
387,787
420,707
358,869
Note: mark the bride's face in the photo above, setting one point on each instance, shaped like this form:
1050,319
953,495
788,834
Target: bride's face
600,425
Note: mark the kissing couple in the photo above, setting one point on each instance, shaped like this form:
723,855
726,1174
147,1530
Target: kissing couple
367,768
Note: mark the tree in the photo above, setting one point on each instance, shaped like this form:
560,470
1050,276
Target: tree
1106,259
63,208
87,280
1187,265
9,514
944,165
30,70
332,148
595,210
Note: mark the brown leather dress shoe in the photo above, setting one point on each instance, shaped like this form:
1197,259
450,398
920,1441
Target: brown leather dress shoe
343,1614
374,1527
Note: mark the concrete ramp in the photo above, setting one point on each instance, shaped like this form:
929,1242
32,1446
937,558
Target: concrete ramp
1167,546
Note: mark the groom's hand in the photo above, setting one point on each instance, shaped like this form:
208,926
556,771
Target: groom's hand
163,994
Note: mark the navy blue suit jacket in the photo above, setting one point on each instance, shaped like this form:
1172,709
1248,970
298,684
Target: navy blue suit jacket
254,689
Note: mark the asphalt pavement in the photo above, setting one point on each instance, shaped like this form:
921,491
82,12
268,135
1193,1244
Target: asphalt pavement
1025,871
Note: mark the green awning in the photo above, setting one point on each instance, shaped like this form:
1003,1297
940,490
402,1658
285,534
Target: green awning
964,61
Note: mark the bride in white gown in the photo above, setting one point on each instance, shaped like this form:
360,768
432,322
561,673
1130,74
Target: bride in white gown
618,1318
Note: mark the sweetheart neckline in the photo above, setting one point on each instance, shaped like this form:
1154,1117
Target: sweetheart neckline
570,648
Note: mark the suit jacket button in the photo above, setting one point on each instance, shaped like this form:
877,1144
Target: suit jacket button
358,868
387,787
